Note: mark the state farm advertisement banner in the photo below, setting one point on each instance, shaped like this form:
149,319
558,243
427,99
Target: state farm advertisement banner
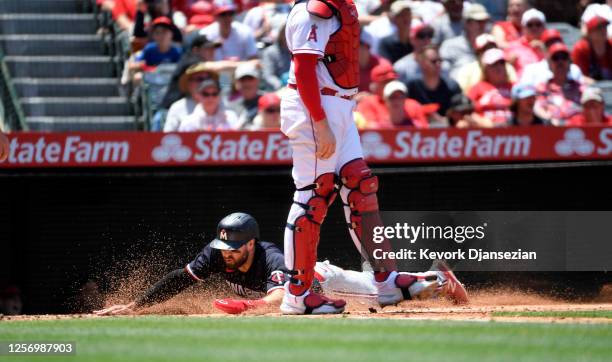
134,149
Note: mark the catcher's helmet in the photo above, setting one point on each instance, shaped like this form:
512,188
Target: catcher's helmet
234,230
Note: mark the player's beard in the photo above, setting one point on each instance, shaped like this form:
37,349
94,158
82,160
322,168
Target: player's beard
235,264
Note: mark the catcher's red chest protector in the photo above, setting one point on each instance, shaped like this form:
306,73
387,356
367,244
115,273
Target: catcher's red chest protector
342,51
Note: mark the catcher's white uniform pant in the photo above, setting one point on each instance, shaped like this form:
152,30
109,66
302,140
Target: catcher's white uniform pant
297,126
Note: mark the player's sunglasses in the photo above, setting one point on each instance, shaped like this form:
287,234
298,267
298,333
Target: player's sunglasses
425,35
272,110
435,61
227,13
209,94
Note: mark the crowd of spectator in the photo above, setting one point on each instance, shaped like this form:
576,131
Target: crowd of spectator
446,63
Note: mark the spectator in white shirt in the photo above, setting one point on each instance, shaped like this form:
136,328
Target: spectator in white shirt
236,38
189,84
209,114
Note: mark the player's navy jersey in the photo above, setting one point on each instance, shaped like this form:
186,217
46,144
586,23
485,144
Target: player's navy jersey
268,271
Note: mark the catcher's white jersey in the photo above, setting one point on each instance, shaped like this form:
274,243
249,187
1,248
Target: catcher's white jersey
308,34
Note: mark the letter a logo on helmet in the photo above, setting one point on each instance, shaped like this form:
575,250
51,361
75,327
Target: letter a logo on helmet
223,234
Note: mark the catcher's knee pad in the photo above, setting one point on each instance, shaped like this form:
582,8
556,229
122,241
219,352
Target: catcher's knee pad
302,233
358,193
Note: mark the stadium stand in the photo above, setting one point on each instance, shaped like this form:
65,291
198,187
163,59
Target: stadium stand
65,73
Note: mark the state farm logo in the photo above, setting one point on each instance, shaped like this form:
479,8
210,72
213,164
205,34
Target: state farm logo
574,142
374,146
171,148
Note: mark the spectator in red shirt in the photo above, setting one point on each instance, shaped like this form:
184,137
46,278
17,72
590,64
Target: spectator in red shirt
402,111
367,61
373,107
559,98
123,12
528,48
509,30
593,53
492,96
593,109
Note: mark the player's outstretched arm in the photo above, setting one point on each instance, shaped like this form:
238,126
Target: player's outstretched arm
167,287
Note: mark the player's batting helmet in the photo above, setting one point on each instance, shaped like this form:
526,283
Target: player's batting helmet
234,230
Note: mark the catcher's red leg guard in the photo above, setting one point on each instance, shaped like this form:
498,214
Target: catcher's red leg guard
303,226
358,193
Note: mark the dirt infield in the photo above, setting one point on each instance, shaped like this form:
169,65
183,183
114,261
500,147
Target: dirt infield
483,306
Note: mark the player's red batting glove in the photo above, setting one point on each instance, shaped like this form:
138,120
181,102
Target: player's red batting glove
237,306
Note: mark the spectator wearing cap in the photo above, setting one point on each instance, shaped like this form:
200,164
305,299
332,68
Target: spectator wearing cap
246,83
540,72
268,116
603,10
593,109
153,9
559,98
432,87
492,96
157,52
275,63
367,62
238,42
421,35
401,110
374,109
210,113
528,48
266,19
460,113
201,50
449,24
593,53
189,85
396,45
470,74
160,50
523,101
385,25
459,51
509,30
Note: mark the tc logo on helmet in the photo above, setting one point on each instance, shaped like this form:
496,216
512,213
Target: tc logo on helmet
223,234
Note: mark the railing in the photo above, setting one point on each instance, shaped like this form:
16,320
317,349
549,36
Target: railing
118,43
12,117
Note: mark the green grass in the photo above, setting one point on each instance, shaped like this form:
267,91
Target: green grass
560,314
167,338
